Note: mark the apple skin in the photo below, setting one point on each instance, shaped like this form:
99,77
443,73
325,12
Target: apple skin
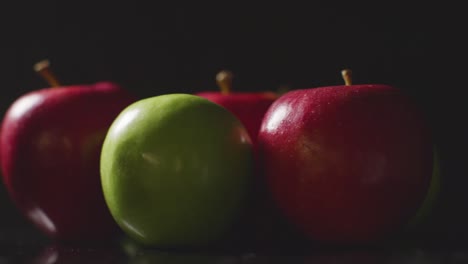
258,224
51,143
261,225
175,170
248,107
346,164
429,205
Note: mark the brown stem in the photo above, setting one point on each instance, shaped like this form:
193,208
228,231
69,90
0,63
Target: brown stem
43,69
347,76
224,81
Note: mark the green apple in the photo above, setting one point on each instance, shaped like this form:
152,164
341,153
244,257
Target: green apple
175,170
426,210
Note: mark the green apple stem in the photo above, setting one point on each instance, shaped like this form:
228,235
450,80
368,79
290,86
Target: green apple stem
347,76
43,69
224,81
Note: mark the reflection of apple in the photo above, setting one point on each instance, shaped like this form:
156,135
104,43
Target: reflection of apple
346,164
51,142
137,254
175,170
249,107
56,253
158,257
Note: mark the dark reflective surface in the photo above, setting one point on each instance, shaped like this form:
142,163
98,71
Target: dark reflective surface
57,253
37,250
20,242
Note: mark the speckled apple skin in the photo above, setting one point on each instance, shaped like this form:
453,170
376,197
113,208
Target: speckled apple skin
51,143
346,164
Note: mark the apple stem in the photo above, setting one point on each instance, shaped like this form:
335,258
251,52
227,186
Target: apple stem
43,68
347,76
282,89
224,81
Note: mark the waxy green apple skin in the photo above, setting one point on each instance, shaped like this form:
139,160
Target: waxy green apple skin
175,170
426,211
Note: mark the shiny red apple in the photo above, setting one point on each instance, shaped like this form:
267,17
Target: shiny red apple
51,143
261,224
346,164
248,107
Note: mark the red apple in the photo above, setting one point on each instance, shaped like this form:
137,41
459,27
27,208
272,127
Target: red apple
51,143
248,107
260,224
346,164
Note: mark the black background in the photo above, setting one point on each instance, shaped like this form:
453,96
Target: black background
153,48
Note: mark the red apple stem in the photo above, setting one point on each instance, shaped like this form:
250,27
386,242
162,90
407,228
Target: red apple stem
347,76
43,69
224,81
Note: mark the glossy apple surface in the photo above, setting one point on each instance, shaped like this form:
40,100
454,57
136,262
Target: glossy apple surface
248,107
259,223
51,143
346,164
175,170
